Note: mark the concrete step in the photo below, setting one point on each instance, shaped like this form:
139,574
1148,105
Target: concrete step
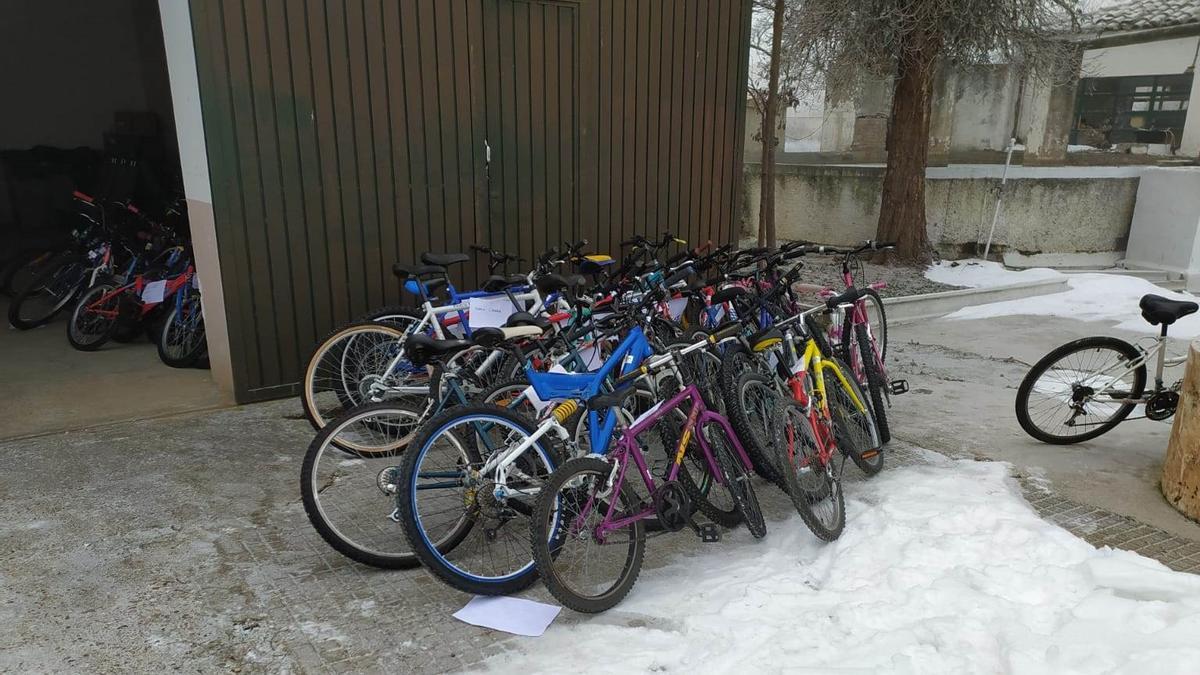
1153,276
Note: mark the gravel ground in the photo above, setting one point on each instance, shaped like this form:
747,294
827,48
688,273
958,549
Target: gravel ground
827,271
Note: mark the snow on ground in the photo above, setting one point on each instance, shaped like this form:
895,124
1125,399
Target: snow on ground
1093,297
941,569
984,274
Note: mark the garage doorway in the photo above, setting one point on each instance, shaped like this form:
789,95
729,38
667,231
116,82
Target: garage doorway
88,132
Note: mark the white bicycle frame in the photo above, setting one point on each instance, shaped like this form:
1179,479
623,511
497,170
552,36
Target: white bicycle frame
1157,351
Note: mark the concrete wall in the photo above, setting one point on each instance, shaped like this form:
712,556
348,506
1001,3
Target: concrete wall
70,64
985,107
1165,234
1048,210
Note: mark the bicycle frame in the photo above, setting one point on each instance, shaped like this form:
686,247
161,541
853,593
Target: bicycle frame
627,446
1158,352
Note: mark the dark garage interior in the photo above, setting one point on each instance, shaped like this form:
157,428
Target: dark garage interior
88,109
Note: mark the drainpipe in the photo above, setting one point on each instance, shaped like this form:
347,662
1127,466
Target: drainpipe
999,197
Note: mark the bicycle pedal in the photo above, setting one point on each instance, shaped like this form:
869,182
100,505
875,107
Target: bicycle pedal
898,387
708,532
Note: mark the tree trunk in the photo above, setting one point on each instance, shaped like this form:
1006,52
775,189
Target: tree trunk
1181,469
766,208
902,211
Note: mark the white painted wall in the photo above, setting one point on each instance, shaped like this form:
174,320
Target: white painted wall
1162,57
1165,234
193,160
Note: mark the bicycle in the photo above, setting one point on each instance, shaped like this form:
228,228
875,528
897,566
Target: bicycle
587,500
1086,387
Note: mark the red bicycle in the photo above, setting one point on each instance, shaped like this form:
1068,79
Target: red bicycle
111,306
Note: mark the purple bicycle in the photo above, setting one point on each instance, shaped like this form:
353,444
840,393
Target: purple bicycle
588,526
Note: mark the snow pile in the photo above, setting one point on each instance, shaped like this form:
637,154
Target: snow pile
941,569
1093,297
984,274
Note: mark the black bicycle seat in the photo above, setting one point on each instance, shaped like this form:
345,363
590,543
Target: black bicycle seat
614,399
492,337
527,319
497,283
727,295
444,259
404,270
1157,309
551,283
423,349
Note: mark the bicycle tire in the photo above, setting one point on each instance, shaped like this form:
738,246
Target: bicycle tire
188,358
59,265
861,445
91,341
547,545
881,335
803,487
320,378
757,439
1121,347
335,533
875,384
435,560
737,478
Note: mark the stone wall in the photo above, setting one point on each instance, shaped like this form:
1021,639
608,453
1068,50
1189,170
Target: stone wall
1046,210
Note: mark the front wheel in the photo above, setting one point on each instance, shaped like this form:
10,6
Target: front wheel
586,568
181,341
1081,390
812,484
94,318
736,478
853,424
444,495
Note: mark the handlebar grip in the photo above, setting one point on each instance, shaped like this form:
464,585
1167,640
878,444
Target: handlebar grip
632,375
880,245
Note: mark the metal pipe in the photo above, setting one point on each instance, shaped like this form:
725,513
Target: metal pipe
999,197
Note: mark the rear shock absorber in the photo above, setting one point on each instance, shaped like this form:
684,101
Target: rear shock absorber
564,410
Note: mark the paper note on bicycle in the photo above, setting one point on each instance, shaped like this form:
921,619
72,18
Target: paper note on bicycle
489,312
511,615
676,307
153,292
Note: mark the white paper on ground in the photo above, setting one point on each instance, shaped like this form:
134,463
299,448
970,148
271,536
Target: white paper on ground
511,615
489,312
153,292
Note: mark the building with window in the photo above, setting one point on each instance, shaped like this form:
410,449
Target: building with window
1137,78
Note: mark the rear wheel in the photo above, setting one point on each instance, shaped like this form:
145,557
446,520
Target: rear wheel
1081,390
586,570
736,479
873,380
753,414
853,424
348,369
348,484
94,318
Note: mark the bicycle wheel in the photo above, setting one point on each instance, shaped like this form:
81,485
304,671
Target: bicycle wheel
347,370
1090,379
735,477
20,270
876,319
584,569
93,318
50,292
812,485
753,417
853,424
873,379
443,496
181,341
350,495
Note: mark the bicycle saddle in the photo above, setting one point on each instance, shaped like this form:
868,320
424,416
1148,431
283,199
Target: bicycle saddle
550,283
422,349
1157,309
444,259
527,319
404,271
727,295
491,337
497,283
615,399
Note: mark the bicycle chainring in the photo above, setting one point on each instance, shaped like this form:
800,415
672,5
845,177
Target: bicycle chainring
672,506
1162,405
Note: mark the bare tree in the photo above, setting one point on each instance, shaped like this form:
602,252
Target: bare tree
848,41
